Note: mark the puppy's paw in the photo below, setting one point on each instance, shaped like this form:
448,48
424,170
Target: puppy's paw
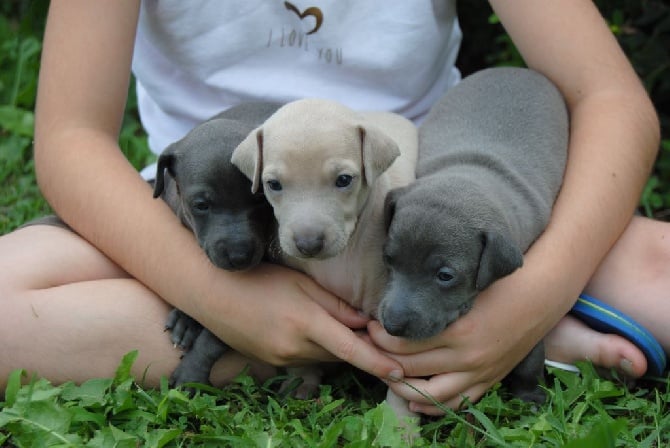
303,382
184,329
534,395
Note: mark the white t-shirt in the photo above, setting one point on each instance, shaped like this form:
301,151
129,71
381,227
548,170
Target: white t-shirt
195,58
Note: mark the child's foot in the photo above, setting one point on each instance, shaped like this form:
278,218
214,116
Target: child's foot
634,278
571,341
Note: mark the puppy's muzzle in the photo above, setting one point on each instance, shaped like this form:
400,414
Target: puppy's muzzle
235,256
397,318
412,321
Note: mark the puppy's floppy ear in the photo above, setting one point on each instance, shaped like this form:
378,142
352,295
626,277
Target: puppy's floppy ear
389,205
166,161
499,258
378,152
248,157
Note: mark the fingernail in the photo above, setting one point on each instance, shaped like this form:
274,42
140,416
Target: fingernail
396,375
627,367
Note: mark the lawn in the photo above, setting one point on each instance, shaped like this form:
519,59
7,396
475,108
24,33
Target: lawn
588,409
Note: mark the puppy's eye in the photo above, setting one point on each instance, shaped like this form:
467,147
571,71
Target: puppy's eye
343,180
200,206
445,276
274,185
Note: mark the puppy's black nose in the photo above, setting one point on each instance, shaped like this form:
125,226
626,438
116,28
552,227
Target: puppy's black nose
309,245
240,260
397,327
236,256
396,319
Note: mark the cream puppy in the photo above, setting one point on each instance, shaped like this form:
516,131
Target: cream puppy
326,170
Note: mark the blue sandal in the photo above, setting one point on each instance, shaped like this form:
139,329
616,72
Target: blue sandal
606,319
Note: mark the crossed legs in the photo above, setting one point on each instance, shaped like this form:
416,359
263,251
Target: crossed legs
69,313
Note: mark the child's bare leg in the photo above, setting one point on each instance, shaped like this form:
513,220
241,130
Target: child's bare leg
634,278
69,313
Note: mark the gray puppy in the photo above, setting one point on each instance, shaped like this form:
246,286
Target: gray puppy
492,154
213,199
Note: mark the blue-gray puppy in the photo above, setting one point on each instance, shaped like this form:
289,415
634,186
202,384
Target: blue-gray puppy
213,199
492,154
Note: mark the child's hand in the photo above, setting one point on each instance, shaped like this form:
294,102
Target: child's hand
286,318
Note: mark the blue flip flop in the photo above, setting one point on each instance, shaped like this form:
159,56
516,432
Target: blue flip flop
606,319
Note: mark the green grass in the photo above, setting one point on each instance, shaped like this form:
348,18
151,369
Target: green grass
584,410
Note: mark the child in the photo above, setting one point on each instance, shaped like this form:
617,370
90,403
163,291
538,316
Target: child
74,303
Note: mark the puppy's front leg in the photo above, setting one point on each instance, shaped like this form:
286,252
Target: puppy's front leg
409,421
525,379
197,363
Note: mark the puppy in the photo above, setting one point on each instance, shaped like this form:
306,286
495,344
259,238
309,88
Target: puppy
491,161
326,170
213,199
